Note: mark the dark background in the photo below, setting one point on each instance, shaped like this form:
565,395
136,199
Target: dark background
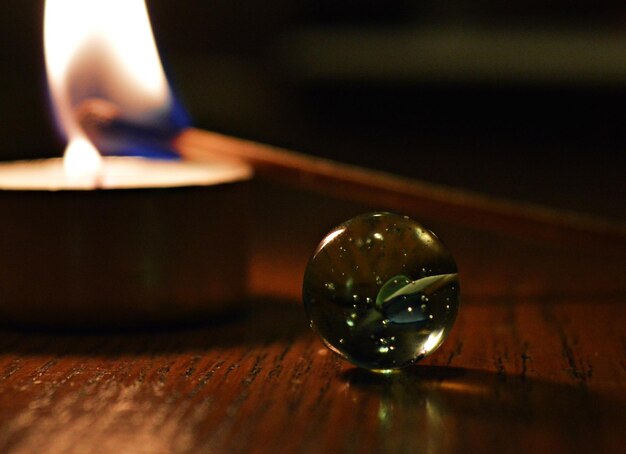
524,100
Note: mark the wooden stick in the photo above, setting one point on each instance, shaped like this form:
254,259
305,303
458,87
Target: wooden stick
408,196
103,122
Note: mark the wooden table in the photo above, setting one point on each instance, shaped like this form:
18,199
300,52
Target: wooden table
535,363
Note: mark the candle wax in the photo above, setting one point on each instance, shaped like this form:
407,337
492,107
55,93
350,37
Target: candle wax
119,173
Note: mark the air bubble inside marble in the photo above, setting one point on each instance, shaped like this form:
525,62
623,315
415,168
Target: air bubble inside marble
382,291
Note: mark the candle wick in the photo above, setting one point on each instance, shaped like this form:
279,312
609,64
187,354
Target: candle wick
98,180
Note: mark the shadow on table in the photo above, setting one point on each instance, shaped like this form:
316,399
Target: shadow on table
265,321
473,410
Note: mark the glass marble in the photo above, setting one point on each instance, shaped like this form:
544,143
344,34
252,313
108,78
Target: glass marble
382,291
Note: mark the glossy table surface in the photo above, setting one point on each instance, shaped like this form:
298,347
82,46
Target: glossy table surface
536,361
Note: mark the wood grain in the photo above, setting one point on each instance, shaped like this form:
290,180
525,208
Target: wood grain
548,378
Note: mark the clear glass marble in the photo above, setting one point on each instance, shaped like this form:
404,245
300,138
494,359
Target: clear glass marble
382,291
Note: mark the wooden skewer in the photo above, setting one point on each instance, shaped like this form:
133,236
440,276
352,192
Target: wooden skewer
408,196
422,200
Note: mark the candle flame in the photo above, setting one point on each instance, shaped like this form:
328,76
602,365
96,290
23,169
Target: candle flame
81,159
101,49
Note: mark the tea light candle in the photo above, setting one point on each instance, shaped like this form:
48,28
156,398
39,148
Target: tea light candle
116,241
147,241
